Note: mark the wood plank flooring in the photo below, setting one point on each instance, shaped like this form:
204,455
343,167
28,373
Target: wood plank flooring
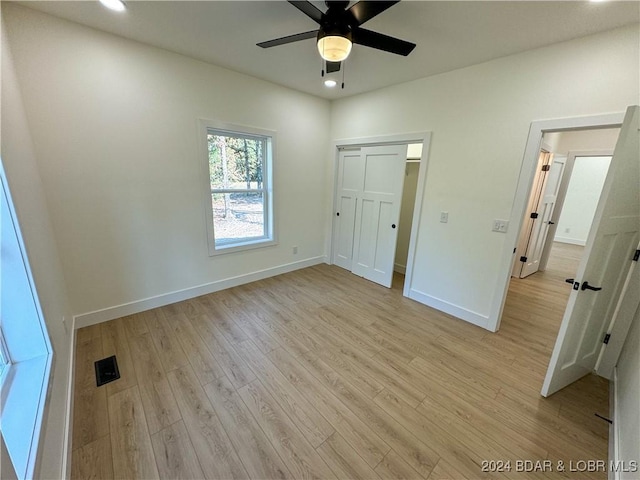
321,374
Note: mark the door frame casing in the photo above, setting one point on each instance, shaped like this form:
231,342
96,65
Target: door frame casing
398,139
523,191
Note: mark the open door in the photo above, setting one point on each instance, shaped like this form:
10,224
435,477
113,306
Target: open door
626,311
378,213
604,267
541,217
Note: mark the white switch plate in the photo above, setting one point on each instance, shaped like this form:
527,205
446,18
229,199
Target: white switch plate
500,226
444,217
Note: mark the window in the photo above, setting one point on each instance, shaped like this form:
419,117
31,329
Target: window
4,356
239,193
25,350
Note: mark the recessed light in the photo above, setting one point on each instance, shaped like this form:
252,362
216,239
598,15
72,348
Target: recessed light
116,5
330,83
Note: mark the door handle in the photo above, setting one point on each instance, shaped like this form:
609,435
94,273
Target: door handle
337,214
393,225
586,286
575,284
551,223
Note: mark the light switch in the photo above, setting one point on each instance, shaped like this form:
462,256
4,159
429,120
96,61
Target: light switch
444,217
500,226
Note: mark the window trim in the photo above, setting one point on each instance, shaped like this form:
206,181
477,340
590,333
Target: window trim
5,358
205,127
30,377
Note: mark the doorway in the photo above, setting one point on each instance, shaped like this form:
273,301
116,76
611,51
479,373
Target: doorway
410,186
564,196
565,190
599,283
376,206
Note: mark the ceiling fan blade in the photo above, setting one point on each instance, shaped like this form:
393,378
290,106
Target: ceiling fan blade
333,67
308,9
380,41
289,39
366,10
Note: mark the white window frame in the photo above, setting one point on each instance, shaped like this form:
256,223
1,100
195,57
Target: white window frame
27,377
208,127
5,359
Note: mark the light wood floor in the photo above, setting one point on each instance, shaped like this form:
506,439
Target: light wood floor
321,374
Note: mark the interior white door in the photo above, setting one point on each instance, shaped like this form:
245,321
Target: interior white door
606,261
349,187
628,308
562,166
544,211
378,212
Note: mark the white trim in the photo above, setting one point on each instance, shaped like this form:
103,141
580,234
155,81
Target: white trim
34,454
111,313
270,139
614,431
417,213
446,307
523,190
572,241
399,268
67,448
396,139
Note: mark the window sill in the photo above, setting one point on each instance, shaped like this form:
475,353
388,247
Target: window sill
23,401
239,247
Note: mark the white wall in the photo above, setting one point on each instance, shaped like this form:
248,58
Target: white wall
114,126
581,201
628,399
472,176
599,139
35,222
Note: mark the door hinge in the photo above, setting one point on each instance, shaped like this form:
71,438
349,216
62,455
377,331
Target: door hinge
534,215
546,168
523,259
606,338
636,256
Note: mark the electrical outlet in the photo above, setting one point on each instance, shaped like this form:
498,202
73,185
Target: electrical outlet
295,250
444,217
500,226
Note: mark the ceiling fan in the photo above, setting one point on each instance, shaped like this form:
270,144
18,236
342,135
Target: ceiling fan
340,29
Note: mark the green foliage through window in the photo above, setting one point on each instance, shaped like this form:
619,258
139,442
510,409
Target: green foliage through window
239,196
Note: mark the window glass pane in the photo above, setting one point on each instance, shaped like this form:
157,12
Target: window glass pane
235,162
238,216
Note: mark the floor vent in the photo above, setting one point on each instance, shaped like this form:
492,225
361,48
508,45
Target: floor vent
106,370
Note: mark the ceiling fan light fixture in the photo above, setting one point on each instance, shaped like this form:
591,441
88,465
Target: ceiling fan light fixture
116,5
334,47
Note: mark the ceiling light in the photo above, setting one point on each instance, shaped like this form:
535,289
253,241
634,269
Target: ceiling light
330,83
116,5
334,46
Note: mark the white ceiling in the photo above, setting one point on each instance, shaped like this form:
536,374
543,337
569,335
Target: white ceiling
449,34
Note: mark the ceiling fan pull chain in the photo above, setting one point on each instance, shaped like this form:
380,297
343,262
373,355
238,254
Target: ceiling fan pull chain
344,67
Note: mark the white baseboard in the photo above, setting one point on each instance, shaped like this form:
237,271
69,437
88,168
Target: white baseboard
446,307
572,241
111,313
68,447
400,268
